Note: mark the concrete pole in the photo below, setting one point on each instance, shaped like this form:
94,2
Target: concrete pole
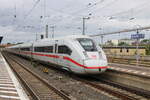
83,33
102,37
53,29
84,18
36,37
46,32
137,49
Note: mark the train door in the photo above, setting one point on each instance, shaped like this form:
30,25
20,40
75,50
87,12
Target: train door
31,50
60,50
64,52
19,50
55,51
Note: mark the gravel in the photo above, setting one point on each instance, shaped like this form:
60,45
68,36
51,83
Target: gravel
67,84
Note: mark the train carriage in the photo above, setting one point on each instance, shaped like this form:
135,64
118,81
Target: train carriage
77,53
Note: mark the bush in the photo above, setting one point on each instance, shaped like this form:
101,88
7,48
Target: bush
147,49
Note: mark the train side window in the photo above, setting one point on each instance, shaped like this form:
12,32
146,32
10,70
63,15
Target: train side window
64,50
38,49
47,49
25,49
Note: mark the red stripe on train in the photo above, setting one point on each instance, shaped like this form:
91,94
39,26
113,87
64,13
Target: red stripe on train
68,59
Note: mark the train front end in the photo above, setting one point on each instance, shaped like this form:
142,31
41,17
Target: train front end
95,60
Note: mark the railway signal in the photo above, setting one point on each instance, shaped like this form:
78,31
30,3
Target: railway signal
137,37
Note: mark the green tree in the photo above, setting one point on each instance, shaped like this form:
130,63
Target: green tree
147,49
123,44
145,41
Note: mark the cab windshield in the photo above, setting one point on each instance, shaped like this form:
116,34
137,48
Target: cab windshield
87,44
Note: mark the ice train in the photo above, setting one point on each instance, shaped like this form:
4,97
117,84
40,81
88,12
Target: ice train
76,53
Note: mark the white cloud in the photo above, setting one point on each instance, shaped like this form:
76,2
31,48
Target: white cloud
66,15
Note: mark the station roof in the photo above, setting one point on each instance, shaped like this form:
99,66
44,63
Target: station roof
122,47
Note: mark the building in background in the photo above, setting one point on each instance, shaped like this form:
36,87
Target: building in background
112,43
121,42
124,50
126,41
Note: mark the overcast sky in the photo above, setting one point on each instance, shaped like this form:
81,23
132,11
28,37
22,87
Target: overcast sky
21,20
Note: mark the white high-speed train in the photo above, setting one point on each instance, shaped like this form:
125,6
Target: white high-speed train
77,53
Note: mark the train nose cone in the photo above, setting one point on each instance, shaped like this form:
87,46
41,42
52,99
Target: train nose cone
95,66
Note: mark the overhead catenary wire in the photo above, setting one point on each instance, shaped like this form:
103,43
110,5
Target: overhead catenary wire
30,11
132,10
90,5
122,31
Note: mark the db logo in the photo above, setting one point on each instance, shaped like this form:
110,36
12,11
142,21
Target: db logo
93,56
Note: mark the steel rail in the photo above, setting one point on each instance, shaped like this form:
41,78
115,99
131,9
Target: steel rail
106,89
135,90
30,90
59,92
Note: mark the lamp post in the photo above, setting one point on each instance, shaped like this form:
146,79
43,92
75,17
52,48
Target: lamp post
46,31
137,49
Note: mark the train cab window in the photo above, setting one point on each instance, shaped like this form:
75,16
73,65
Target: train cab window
87,44
64,50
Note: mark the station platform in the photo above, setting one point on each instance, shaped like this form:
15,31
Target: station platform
10,88
140,70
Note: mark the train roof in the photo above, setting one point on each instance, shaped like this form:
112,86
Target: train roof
50,39
66,37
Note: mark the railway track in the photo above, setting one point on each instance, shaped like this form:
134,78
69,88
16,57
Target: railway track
135,90
116,90
38,88
145,63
